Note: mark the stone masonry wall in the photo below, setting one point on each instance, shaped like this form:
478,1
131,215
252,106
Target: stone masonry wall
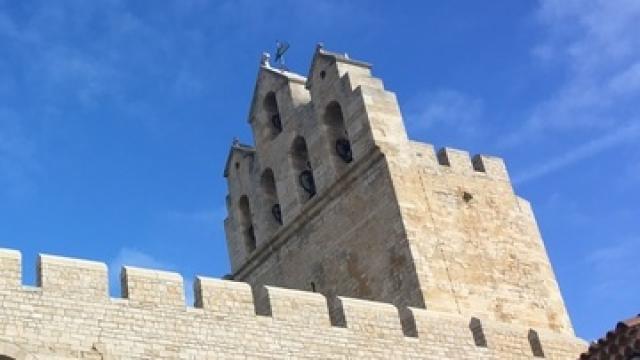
348,239
70,316
476,244
349,242
399,224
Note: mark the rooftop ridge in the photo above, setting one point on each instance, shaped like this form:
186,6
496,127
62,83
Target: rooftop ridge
265,64
621,342
289,75
344,58
244,148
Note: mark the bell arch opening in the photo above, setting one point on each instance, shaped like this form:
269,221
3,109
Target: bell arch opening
302,167
246,224
337,135
268,185
273,118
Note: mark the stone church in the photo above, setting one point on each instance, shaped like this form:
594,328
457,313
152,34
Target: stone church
347,240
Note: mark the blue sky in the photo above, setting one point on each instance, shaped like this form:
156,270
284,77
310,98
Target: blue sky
116,117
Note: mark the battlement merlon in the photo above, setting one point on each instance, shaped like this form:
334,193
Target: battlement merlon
72,278
152,288
10,269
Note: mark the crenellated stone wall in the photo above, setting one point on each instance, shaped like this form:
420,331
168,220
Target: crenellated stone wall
74,318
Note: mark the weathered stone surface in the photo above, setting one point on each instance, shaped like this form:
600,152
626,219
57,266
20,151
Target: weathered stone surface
401,223
402,252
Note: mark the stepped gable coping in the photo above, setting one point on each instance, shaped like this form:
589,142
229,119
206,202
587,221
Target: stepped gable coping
344,58
286,75
236,146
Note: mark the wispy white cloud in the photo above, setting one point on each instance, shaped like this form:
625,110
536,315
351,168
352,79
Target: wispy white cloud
92,78
626,83
18,163
85,54
616,271
132,257
206,217
630,133
174,227
326,13
201,226
568,210
62,70
633,171
89,52
597,44
446,109
628,177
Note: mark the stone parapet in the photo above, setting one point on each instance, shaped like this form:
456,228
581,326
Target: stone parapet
72,317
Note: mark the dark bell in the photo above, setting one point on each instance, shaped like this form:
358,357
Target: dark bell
343,149
307,182
277,213
276,122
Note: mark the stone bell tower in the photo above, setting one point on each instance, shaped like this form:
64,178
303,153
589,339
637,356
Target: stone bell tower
334,198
